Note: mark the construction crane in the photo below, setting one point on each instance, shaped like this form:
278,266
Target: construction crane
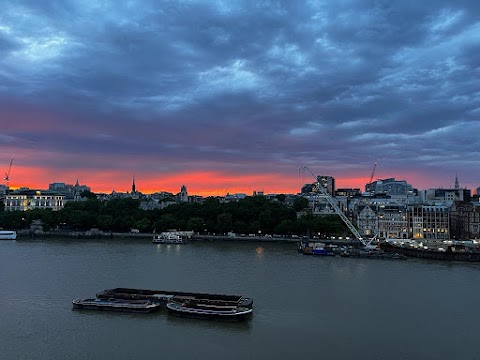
335,207
371,179
373,173
7,174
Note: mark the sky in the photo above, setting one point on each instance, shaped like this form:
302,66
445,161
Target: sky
228,96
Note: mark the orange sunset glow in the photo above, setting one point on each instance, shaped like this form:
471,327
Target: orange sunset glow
201,183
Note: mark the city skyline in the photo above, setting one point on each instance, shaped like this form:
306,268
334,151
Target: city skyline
174,189
235,96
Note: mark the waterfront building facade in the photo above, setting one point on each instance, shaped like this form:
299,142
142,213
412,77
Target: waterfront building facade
465,221
367,223
393,221
429,222
23,200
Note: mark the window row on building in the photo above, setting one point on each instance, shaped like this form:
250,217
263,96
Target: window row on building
404,222
23,200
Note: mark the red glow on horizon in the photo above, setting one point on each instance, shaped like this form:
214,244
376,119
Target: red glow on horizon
202,183
198,183
351,182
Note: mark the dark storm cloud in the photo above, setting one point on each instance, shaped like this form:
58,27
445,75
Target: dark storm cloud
339,84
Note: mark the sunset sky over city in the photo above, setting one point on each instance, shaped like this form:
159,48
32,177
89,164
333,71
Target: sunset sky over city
235,96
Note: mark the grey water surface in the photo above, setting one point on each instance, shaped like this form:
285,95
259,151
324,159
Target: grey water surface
305,307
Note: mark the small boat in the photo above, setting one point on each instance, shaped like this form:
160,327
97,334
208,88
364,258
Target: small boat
317,248
164,296
142,306
168,239
209,311
172,237
8,235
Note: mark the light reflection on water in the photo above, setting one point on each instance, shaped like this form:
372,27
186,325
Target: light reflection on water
162,248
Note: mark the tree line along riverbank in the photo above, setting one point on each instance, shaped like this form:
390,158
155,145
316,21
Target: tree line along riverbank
95,234
251,215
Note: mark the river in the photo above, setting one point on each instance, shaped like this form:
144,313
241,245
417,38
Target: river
305,307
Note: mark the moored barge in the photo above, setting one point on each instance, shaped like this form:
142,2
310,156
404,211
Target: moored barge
200,310
458,252
139,306
319,248
372,254
163,297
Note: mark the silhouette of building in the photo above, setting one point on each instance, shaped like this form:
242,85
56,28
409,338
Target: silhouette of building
134,190
390,187
183,195
67,189
3,190
348,192
328,182
446,196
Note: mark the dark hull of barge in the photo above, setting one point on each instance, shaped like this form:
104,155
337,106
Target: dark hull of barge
368,254
138,306
163,297
432,254
197,311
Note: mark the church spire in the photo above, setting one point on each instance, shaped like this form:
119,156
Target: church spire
133,185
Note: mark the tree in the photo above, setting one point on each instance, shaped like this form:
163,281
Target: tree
142,225
88,194
254,227
92,205
304,225
105,222
45,215
286,227
240,227
196,224
300,203
266,221
81,220
13,220
224,223
165,223
123,223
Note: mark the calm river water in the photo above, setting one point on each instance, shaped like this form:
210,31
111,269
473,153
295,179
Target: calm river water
305,307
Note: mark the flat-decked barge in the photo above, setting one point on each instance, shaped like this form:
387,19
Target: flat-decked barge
458,252
200,310
163,297
139,306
